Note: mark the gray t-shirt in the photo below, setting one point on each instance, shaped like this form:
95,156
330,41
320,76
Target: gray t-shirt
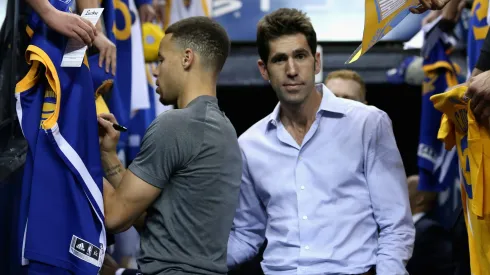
192,154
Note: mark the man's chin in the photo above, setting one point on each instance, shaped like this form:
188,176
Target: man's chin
293,99
166,102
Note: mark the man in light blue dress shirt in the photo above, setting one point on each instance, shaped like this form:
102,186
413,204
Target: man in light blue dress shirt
322,179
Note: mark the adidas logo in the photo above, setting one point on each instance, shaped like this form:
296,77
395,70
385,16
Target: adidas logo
81,246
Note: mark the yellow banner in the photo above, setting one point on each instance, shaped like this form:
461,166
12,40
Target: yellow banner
380,17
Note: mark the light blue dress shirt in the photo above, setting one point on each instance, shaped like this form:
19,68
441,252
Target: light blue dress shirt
320,204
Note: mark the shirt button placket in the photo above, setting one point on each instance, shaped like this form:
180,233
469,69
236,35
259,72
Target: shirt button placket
302,216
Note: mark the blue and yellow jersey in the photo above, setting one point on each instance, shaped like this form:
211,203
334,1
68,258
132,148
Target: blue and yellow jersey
437,166
477,31
130,65
62,211
459,128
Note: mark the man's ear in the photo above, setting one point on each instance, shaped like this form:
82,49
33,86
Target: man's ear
318,63
263,69
188,58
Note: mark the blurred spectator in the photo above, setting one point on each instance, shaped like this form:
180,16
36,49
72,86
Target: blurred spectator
432,252
347,84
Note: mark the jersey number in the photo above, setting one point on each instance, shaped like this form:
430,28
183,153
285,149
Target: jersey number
125,32
480,9
466,170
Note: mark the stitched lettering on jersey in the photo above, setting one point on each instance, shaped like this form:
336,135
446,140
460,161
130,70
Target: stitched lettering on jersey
461,120
49,105
466,172
86,251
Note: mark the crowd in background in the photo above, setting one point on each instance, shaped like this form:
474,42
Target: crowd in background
132,50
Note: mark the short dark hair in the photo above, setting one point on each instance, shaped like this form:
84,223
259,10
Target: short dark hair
283,22
204,36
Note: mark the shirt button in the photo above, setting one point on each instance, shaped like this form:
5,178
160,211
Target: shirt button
305,217
302,187
307,247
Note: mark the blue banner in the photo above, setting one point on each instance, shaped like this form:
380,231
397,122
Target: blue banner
334,21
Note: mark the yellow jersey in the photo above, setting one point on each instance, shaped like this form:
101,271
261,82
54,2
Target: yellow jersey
459,128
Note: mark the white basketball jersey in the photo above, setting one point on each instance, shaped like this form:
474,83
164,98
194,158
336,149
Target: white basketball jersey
177,10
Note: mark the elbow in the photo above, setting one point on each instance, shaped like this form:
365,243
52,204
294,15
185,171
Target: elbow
115,226
112,225
115,222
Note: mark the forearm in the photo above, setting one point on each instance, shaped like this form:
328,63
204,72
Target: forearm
394,251
114,210
387,182
89,4
240,251
113,168
476,72
483,63
450,11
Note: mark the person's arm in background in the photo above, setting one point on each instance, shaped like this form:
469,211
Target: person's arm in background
426,5
159,6
248,231
452,11
67,24
107,49
479,86
145,10
387,183
483,63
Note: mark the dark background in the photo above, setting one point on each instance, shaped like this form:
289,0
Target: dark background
245,105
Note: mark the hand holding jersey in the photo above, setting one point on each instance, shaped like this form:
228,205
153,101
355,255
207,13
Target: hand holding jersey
479,93
426,5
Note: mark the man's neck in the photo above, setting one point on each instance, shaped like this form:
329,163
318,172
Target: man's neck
195,87
301,116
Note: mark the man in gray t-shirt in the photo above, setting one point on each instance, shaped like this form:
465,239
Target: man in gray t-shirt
186,177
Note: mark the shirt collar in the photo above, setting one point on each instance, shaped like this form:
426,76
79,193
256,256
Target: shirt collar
417,217
330,103
202,98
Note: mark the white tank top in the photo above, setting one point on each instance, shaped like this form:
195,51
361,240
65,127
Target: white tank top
176,10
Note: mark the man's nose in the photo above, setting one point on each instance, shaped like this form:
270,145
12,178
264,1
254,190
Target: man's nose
154,71
291,68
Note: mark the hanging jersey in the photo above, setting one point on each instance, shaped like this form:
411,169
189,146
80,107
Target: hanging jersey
177,10
109,17
102,83
437,166
131,95
63,207
477,31
103,80
459,128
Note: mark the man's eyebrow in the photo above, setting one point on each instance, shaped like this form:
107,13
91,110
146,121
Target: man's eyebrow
278,55
302,50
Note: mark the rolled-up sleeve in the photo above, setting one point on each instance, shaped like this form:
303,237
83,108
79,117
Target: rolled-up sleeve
248,231
388,189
